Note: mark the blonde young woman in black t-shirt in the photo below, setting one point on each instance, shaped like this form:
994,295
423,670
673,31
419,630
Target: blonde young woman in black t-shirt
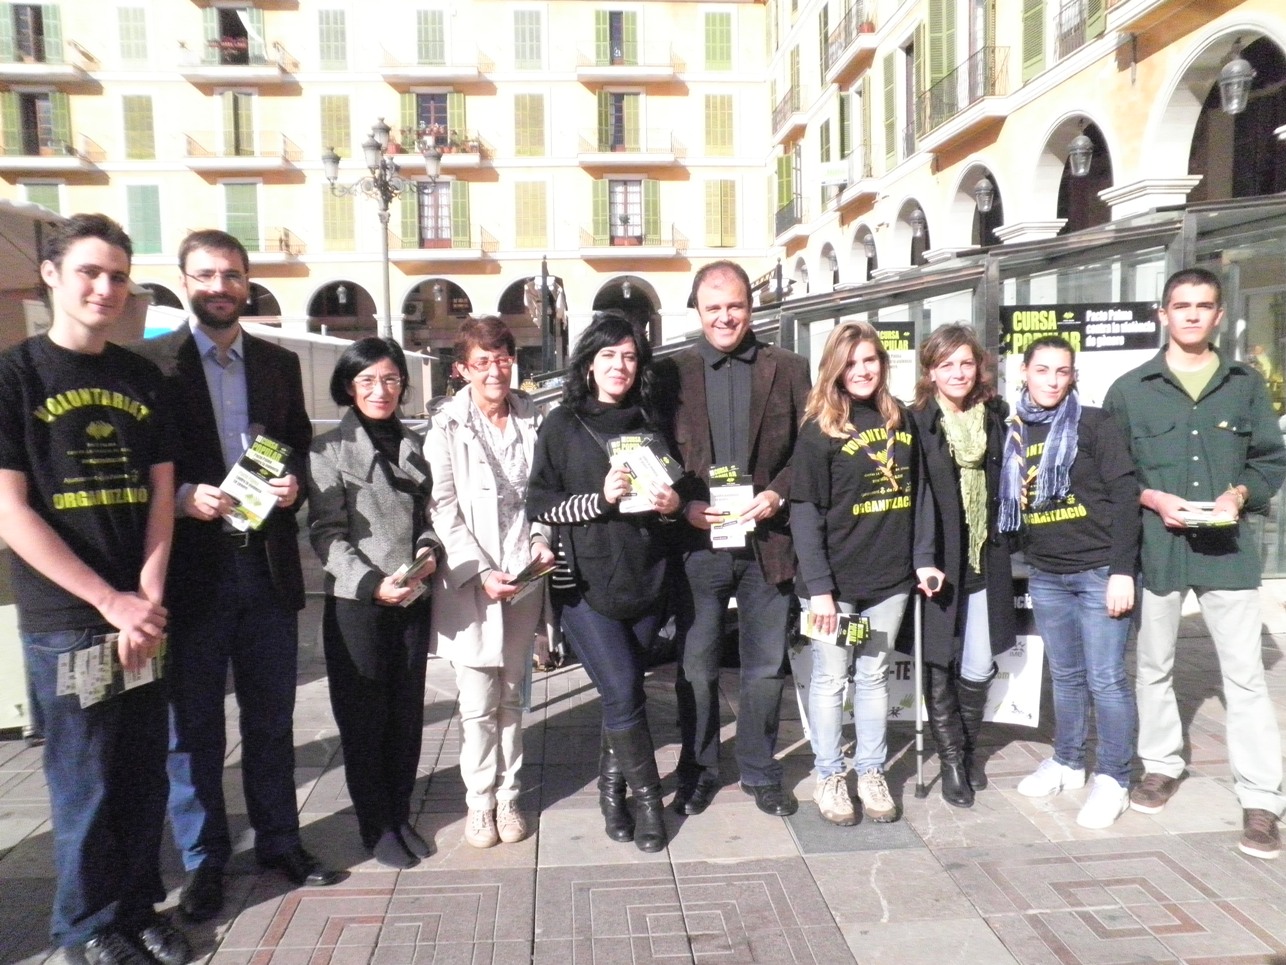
852,517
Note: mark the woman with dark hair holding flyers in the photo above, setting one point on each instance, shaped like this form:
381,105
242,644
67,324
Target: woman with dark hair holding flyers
368,492
853,509
970,618
610,599
1068,487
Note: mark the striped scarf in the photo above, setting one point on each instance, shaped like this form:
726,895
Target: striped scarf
1054,474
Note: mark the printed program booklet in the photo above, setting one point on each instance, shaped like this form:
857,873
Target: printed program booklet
851,630
95,673
247,482
1202,516
642,455
417,569
529,579
731,498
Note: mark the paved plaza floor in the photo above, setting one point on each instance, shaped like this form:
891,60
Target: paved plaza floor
1010,880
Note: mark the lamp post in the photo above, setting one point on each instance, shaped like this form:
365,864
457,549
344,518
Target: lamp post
384,183
1080,152
1235,78
984,195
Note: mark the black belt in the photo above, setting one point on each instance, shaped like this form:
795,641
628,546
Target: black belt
244,539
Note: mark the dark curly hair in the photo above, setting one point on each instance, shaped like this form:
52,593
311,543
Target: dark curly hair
610,327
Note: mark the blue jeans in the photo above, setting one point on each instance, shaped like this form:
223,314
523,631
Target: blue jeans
976,660
105,767
613,654
1086,650
829,682
247,626
763,611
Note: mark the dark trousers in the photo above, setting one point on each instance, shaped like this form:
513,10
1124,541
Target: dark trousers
105,767
614,654
763,610
375,661
246,626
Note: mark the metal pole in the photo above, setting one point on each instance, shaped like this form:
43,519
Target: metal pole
386,323
547,350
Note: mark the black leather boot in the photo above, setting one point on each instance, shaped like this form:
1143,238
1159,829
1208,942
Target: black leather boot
617,820
637,757
972,695
948,733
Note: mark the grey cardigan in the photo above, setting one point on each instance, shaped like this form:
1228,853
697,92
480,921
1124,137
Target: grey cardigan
360,525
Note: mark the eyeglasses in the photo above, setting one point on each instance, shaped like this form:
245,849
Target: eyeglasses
368,382
502,362
207,276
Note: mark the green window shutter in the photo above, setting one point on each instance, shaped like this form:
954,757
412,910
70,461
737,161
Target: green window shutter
410,122
867,156
60,117
651,212
7,52
631,112
242,213
254,27
411,201
602,38
1096,19
338,221
941,24
714,217
718,41
531,230
845,126
529,125
527,46
728,210
210,27
890,111
143,203
430,37
10,125
604,121
630,37
599,216
140,139
460,223
336,125
785,181
455,113
333,44
46,195
824,142
1033,38
238,136
794,78
719,133
49,13
132,22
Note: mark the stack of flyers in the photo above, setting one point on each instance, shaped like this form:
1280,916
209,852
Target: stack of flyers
95,673
851,630
247,482
643,457
731,499
417,569
529,578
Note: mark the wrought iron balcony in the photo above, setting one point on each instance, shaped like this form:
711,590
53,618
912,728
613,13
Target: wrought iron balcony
857,23
983,74
786,107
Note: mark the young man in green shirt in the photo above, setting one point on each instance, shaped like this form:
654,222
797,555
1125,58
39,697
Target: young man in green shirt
1202,430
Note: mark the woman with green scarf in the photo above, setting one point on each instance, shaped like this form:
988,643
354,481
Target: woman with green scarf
970,618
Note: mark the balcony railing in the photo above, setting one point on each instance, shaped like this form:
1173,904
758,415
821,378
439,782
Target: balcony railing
479,239
789,215
629,235
856,21
283,241
659,56
604,140
785,107
984,74
264,144
447,140
1072,28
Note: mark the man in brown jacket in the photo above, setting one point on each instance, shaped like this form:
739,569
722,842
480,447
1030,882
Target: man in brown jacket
737,408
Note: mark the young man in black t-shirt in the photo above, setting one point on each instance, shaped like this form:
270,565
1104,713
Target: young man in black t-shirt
86,506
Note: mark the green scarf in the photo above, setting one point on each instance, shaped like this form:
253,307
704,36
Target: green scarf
967,439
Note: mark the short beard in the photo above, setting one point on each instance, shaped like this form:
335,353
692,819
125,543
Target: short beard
215,322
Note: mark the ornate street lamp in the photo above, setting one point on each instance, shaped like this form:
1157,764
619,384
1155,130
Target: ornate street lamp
1235,78
384,183
984,195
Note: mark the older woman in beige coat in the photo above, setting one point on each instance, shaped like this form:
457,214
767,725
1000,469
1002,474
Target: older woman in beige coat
480,447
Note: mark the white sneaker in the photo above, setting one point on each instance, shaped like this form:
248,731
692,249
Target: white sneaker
510,824
481,829
831,796
1108,800
1050,778
877,802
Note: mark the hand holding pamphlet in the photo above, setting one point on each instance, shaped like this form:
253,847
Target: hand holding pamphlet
528,579
730,493
1203,516
850,630
96,673
247,482
649,467
414,572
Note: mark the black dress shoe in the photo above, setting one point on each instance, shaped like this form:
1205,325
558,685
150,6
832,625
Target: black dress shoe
202,895
414,842
694,796
164,942
301,868
108,947
772,799
391,852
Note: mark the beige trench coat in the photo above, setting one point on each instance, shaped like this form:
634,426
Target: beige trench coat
468,627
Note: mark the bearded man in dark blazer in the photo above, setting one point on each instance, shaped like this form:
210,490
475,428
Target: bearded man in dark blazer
737,407
234,595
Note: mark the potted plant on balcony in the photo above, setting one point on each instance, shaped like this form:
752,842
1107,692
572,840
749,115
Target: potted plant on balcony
624,238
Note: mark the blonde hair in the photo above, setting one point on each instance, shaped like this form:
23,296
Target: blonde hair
829,402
